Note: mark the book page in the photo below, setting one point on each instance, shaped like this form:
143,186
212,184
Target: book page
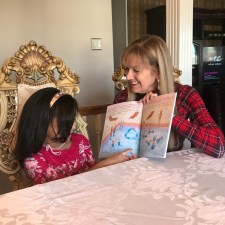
156,123
122,128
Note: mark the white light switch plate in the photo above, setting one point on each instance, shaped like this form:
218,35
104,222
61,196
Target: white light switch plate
96,43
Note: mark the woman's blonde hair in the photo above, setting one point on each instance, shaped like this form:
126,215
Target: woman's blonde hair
152,50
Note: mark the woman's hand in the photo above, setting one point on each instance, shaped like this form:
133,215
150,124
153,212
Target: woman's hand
148,97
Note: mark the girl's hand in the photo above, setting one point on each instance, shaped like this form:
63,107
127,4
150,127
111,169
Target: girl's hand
148,97
117,158
121,157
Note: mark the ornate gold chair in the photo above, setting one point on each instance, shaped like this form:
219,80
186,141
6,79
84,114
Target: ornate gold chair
31,68
120,81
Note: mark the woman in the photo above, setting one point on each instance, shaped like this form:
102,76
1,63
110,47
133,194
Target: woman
149,72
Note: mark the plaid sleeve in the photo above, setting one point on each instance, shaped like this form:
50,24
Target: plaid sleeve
195,123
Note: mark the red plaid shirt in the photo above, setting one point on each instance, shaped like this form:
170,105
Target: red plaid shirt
193,121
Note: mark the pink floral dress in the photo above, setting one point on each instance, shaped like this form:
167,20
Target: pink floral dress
48,165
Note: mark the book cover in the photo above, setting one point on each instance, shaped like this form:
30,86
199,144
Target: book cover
143,128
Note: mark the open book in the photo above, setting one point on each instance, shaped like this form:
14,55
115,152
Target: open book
143,128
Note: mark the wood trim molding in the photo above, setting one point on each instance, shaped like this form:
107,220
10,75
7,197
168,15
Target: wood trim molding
93,110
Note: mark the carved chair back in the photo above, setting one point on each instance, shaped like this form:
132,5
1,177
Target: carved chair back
31,68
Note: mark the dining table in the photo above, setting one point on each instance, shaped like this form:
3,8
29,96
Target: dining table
185,188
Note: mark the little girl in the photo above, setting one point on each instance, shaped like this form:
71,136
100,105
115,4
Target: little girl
45,146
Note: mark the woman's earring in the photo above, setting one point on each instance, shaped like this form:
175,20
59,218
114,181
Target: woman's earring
158,85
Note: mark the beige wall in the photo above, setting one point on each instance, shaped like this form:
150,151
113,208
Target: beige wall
65,28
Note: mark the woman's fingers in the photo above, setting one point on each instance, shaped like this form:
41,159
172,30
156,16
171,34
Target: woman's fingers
148,97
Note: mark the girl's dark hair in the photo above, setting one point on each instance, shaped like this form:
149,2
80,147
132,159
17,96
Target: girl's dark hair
37,115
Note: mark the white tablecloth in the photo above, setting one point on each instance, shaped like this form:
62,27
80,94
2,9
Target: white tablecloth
188,187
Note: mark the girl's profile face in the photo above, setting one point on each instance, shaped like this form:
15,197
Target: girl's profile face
141,77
